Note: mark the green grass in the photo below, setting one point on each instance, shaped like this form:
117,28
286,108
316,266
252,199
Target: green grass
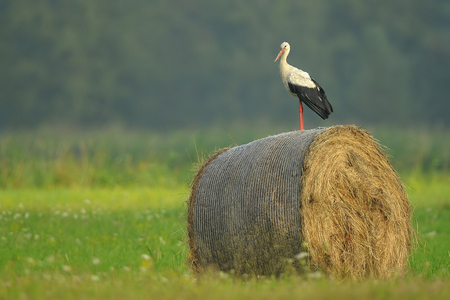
91,231
431,201
108,222
122,243
115,157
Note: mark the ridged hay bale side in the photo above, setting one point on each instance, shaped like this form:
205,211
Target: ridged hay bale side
252,207
244,208
356,216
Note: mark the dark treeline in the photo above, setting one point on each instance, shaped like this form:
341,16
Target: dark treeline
176,63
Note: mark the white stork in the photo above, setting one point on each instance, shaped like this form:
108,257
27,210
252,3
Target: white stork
299,83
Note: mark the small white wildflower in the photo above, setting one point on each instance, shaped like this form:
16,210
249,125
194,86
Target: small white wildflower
315,275
96,261
162,240
66,268
87,201
75,216
126,269
31,261
17,216
430,234
145,257
164,279
302,255
20,206
26,215
224,275
95,278
36,237
65,214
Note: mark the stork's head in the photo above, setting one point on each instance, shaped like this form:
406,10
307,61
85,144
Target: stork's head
284,48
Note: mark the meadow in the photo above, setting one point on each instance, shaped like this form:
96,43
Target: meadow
101,214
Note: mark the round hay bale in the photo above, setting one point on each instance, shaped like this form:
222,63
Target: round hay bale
329,191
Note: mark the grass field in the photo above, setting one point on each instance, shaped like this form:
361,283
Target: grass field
96,217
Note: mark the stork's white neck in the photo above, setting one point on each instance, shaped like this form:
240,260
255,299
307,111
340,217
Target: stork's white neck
283,59
284,66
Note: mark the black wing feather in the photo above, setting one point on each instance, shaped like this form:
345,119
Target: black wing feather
314,98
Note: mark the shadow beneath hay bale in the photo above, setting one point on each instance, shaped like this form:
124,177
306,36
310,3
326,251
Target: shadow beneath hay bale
253,206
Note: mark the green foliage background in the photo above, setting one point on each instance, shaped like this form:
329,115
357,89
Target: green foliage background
166,64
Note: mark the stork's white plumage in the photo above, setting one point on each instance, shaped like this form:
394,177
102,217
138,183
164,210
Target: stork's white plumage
298,83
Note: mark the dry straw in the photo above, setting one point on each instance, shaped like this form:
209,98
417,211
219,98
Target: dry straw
253,208
356,217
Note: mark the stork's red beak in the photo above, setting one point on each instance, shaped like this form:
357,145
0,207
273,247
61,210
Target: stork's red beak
279,54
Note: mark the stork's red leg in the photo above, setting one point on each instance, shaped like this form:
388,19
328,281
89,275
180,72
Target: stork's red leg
301,114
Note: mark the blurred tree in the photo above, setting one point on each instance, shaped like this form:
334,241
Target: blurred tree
166,64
